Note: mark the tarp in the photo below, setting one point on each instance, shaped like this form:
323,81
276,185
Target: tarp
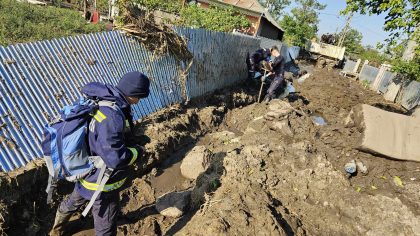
390,134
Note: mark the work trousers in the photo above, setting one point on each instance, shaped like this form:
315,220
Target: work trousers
274,86
104,211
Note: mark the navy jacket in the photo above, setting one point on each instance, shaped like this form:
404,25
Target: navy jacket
278,65
259,56
108,139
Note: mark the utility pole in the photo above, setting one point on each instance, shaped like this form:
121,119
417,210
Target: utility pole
345,30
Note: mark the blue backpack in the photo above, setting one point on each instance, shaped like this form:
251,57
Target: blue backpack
65,146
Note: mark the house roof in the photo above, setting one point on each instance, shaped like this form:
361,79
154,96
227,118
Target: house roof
252,5
248,5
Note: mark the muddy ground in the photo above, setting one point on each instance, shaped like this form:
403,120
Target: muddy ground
269,175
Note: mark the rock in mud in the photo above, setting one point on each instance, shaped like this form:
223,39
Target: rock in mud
280,107
362,168
210,116
282,127
173,204
196,162
279,110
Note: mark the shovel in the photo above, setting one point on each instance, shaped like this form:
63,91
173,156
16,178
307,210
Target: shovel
262,85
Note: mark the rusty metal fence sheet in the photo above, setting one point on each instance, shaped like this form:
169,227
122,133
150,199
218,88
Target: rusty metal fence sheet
37,79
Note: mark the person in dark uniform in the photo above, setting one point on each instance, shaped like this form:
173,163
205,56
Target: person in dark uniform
109,133
276,73
254,60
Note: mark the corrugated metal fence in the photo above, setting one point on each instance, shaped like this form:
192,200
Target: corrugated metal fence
37,79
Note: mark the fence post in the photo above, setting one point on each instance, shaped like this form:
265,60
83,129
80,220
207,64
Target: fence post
356,67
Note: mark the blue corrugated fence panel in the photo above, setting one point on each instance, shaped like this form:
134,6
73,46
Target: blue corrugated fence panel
38,79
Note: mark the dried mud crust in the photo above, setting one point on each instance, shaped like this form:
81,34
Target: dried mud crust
269,176
290,180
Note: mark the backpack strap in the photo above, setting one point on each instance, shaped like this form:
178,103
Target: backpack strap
103,177
52,185
105,103
52,179
104,171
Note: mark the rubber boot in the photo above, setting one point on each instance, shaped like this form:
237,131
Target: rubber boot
60,220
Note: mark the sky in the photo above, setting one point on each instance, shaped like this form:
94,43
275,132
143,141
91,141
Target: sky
371,27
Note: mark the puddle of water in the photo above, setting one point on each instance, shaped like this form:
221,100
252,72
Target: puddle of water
318,120
169,176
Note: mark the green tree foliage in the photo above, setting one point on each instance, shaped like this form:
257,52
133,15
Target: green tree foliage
213,18
302,24
402,15
374,56
22,22
275,7
402,18
353,42
171,6
410,69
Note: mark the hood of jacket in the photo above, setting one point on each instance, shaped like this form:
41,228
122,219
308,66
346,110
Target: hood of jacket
100,91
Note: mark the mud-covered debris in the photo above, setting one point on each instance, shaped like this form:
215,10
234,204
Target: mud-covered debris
196,162
154,172
362,168
303,78
350,167
158,38
318,120
279,106
137,197
209,116
9,61
282,127
173,204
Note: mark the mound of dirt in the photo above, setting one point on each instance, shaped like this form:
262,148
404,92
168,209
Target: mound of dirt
273,171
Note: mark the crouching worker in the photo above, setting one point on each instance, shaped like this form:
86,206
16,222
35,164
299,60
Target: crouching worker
254,62
109,130
276,73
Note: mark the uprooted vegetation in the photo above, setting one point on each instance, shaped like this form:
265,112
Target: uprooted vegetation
157,38
272,171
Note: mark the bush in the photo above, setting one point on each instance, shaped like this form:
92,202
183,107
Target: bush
213,18
22,22
171,6
409,69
